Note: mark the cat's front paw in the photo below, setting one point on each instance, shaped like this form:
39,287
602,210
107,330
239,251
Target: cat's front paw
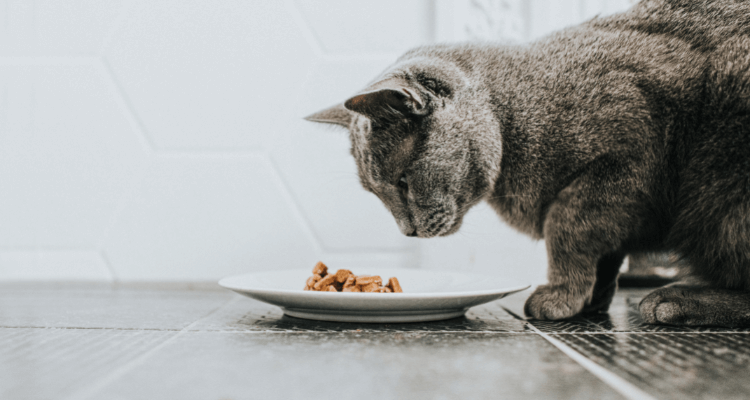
673,306
553,303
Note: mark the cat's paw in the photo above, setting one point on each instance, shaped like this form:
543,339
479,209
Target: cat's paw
671,306
553,303
691,305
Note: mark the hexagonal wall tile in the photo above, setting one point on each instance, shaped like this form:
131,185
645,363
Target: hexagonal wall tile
68,156
357,27
18,26
204,75
320,171
592,8
485,244
207,216
361,262
548,16
52,27
48,265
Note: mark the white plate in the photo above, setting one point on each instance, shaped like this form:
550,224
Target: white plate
428,295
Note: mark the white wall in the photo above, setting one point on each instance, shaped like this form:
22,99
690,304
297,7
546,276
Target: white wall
163,140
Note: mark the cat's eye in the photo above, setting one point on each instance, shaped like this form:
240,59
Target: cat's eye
402,184
430,84
434,86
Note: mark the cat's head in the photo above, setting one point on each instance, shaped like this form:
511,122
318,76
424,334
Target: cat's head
420,136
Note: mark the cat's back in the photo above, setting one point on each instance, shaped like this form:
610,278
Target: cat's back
661,57
673,41
703,25
714,34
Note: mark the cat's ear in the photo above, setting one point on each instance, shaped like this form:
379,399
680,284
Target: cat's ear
388,100
337,115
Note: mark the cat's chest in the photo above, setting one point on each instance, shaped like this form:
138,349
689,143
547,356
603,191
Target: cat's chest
519,210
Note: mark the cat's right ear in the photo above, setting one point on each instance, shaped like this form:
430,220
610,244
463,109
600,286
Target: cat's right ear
336,115
390,99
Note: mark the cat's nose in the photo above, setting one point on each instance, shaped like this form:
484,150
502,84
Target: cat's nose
406,227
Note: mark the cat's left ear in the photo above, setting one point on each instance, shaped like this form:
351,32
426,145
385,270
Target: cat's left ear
337,115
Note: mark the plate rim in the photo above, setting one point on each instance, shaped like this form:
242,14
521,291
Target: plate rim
517,287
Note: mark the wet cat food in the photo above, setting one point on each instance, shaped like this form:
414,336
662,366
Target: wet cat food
345,281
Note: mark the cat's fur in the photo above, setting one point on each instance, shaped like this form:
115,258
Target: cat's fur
626,133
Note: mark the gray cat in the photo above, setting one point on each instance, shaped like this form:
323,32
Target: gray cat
626,133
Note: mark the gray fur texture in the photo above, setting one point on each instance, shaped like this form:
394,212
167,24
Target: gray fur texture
625,133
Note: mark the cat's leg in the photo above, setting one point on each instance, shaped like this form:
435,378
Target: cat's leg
712,225
712,235
589,220
577,290
605,287
696,305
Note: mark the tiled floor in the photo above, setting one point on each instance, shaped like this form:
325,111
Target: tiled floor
103,342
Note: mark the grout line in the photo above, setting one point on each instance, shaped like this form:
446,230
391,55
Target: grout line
84,328
274,142
355,331
108,264
512,314
516,316
211,152
126,106
312,39
368,251
309,228
138,129
295,206
641,333
119,372
344,57
363,331
32,248
28,61
620,385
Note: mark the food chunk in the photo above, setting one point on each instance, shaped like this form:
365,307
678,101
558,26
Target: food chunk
345,281
350,281
368,279
370,287
320,269
325,282
311,281
394,285
342,275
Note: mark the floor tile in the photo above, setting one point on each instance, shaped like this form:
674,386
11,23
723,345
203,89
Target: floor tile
105,307
673,365
244,365
55,363
130,342
243,314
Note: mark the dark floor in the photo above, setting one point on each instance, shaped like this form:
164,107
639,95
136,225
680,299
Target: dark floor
104,342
